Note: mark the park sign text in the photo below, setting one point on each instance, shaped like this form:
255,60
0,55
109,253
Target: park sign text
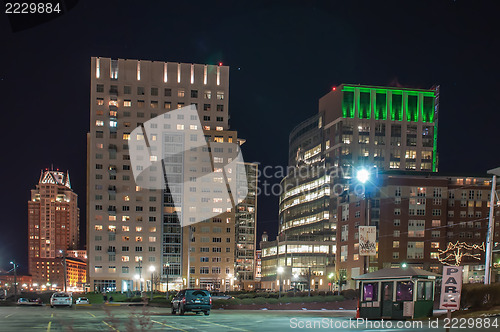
451,288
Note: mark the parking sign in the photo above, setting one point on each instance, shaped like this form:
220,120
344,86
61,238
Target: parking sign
451,288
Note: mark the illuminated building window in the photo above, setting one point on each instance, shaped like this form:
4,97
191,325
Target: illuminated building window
98,227
99,123
220,95
395,244
138,238
125,258
152,239
219,128
207,94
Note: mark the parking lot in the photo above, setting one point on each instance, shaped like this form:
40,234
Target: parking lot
129,319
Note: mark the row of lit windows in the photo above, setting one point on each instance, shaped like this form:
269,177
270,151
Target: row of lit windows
154,91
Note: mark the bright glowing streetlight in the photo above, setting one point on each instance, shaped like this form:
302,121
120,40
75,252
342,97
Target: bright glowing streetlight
362,175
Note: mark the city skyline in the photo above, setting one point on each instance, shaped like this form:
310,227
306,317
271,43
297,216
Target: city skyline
268,77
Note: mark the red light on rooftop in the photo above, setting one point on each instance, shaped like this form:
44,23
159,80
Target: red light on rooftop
334,88
220,63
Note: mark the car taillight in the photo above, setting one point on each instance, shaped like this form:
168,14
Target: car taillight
183,300
210,301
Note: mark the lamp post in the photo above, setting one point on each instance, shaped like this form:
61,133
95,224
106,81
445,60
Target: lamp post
330,279
363,175
280,272
15,279
230,276
140,273
296,277
136,277
63,253
167,265
152,270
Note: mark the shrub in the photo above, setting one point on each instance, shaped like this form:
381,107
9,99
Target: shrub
479,296
349,294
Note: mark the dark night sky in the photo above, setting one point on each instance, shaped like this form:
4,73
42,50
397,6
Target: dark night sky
289,53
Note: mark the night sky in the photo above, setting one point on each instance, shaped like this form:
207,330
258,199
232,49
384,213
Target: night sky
283,57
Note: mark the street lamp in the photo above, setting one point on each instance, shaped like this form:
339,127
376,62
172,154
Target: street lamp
230,276
362,175
167,265
280,272
152,270
63,253
136,277
15,279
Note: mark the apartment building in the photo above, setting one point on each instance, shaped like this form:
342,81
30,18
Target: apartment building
53,226
134,229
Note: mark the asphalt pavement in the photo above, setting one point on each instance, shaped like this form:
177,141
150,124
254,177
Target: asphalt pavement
129,319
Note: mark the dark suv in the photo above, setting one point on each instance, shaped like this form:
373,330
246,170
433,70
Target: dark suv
194,300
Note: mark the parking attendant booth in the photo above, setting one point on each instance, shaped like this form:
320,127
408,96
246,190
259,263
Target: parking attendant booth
397,293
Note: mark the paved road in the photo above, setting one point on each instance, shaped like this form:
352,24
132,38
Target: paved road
129,319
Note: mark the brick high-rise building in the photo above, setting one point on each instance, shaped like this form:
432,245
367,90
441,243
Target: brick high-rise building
418,216
53,226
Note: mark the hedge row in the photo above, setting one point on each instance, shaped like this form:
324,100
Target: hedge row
271,300
480,296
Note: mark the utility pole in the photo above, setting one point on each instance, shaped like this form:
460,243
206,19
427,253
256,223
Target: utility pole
491,227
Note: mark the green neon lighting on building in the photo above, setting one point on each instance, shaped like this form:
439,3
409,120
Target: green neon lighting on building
428,109
348,104
412,108
364,105
397,107
380,105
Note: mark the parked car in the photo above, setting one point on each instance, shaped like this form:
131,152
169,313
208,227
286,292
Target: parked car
37,301
192,300
61,299
221,296
23,301
82,300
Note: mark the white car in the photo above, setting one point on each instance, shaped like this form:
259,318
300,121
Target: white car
82,300
61,299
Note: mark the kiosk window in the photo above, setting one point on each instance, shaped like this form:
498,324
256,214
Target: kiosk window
370,292
404,291
424,290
